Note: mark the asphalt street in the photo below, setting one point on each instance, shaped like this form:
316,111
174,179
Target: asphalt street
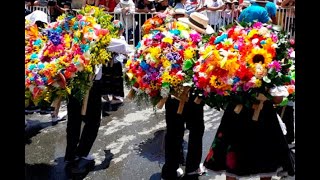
129,145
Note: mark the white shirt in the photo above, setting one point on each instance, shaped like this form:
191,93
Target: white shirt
214,16
126,18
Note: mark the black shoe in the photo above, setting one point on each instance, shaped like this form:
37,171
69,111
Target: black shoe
190,177
46,110
70,164
83,166
31,109
169,176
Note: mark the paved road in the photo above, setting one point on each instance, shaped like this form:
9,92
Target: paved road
129,145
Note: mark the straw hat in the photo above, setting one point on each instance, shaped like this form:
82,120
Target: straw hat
198,22
246,3
37,15
179,11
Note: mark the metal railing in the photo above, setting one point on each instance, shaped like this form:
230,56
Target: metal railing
133,33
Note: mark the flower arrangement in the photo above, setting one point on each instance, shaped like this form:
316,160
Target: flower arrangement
162,63
61,57
241,63
156,21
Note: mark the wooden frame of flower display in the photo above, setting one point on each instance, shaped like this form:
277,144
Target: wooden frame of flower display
241,63
163,62
69,47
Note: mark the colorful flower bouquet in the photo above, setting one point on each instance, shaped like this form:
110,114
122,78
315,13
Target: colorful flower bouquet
243,63
60,58
156,21
162,64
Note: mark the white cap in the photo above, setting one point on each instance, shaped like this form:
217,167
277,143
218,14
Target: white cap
37,16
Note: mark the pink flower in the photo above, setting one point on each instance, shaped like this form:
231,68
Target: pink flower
257,25
276,65
195,37
292,42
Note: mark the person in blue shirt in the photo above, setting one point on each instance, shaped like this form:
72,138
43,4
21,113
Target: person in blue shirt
182,4
255,12
272,11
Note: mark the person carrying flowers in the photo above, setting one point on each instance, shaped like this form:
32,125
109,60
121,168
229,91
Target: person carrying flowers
249,69
191,116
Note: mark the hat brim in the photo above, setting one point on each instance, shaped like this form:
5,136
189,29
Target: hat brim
124,2
208,30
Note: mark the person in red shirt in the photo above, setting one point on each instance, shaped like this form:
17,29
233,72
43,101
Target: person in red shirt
111,4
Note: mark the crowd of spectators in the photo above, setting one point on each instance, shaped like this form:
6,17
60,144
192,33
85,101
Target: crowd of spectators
219,12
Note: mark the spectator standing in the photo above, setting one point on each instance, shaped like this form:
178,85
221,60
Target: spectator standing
212,7
111,4
126,8
144,7
228,12
255,12
78,4
162,5
182,4
92,2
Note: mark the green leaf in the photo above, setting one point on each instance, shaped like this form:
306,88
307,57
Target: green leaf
266,79
187,64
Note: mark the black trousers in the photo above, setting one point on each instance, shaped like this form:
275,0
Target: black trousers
80,146
192,116
112,79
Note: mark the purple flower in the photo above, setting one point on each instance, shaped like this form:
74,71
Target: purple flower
257,25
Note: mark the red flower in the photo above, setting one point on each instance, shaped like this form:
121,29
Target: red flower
209,156
231,160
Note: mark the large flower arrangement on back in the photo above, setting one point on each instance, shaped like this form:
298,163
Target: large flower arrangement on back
163,61
241,62
60,57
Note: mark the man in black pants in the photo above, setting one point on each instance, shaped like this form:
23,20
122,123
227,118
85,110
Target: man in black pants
192,115
78,148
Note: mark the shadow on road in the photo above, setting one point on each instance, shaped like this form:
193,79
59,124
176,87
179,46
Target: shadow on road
155,176
153,148
57,172
33,128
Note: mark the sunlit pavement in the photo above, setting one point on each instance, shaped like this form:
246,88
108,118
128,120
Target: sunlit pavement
129,145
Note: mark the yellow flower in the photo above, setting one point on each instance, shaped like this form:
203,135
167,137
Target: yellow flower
166,63
259,55
167,40
189,53
252,33
155,51
166,77
257,83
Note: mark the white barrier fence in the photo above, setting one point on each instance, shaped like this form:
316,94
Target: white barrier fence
134,21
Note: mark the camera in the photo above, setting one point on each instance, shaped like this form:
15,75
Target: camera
52,3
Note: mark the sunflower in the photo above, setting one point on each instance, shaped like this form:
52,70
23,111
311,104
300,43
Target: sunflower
259,55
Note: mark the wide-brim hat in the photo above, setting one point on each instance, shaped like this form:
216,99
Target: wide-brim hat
246,3
198,22
179,11
37,15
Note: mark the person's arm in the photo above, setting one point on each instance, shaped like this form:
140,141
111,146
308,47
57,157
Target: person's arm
220,7
131,7
118,8
285,3
152,8
264,18
96,3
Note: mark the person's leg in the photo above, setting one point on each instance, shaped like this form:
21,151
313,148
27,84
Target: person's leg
193,114
173,139
73,127
92,124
